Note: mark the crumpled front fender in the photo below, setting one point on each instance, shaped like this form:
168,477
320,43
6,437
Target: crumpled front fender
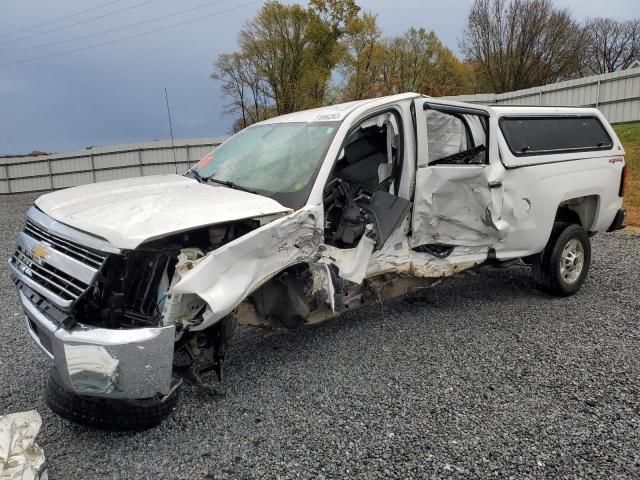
226,276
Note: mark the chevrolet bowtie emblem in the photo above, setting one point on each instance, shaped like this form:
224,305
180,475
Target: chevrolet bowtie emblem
39,252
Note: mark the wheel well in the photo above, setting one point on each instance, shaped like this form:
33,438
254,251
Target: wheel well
286,299
580,211
566,215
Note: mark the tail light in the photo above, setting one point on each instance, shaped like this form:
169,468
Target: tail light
623,181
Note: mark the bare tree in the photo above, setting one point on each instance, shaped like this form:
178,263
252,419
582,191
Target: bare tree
244,88
521,43
609,45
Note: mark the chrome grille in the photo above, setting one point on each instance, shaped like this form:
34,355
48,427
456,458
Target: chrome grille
57,268
56,281
74,250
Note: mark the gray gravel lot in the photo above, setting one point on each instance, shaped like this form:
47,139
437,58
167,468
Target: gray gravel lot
481,376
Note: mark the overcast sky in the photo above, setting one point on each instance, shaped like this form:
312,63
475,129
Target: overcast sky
115,93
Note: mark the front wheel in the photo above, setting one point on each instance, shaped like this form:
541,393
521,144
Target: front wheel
104,413
565,260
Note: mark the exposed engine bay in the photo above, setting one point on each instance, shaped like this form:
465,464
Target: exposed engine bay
131,289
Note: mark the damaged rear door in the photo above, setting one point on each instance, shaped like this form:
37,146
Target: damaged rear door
458,191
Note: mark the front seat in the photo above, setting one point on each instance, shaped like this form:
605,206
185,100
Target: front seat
362,160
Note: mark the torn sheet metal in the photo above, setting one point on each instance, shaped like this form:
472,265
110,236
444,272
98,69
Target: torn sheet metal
352,262
454,206
91,368
20,457
226,276
182,309
427,266
393,257
323,283
330,289
396,257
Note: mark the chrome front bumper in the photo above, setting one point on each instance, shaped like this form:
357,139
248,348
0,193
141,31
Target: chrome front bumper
123,364
54,266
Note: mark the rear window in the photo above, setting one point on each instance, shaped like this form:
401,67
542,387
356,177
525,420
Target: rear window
548,135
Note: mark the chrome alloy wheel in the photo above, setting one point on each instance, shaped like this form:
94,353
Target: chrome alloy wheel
572,261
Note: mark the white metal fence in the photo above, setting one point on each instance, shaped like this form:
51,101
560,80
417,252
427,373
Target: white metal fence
616,94
51,172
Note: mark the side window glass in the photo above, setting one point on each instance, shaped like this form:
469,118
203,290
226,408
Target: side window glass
456,139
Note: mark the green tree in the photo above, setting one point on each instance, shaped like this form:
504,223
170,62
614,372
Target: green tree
275,43
288,55
286,58
414,62
418,62
245,89
327,25
361,61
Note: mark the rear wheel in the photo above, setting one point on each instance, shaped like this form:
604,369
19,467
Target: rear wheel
565,260
107,414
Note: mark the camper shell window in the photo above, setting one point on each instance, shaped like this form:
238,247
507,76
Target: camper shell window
553,135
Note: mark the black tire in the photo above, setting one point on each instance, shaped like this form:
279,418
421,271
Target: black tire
106,414
548,273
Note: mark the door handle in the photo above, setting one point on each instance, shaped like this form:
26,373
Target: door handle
495,184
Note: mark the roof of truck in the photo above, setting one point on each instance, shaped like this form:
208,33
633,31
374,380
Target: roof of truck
504,110
336,113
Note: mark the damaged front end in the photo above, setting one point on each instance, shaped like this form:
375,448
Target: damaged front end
107,318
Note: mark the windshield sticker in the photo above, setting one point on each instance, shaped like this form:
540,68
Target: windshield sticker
205,160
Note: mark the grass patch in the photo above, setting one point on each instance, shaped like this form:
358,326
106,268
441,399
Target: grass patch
629,134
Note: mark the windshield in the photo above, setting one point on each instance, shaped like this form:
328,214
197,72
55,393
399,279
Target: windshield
279,160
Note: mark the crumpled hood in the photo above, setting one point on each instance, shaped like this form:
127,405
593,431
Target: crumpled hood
129,212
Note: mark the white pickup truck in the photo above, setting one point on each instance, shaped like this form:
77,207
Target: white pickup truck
130,286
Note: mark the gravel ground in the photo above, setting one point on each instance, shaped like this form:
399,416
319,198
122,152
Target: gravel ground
482,376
